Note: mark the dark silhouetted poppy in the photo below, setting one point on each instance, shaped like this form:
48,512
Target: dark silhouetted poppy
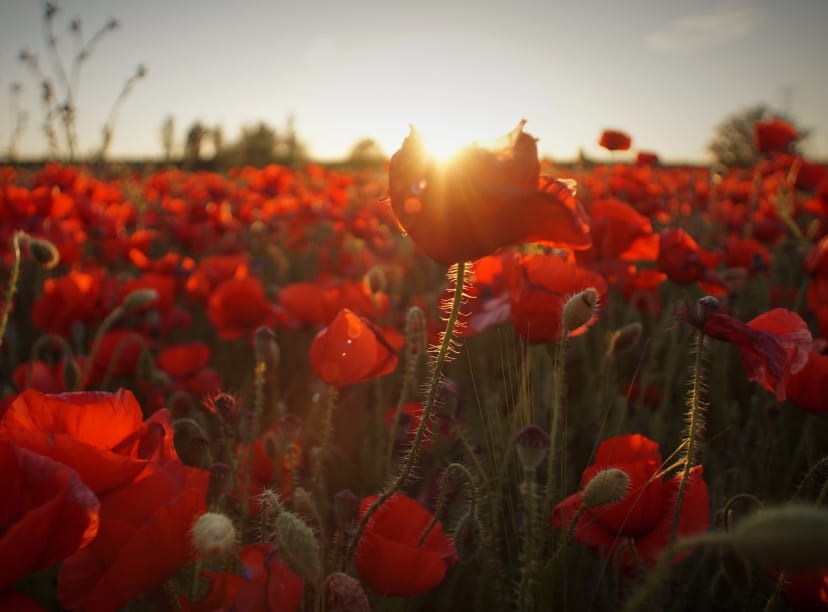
539,287
614,140
390,558
265,583
808,388
644,516
84,430
646,158
774,136
144,539
773,346
481,200
351,350
47,513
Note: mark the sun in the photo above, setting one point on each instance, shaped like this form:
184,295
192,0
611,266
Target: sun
444,140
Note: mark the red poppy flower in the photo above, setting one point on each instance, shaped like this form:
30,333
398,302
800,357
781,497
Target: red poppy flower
645,158
683,260
181,361
238,306
481,200
804,591
773,346
747,253
644,516
806,388
351,350
539,287
84,430
117,355
47,513
266,583
389,556
774,136
77,296
620,232
38,375
144,539
614,140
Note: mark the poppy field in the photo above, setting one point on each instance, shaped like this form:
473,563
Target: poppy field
489,383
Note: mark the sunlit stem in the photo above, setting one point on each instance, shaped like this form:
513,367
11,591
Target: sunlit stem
431,400
693,433
12,288
325,435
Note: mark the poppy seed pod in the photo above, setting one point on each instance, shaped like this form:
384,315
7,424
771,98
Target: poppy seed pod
579,309
214,536
532,444
139,298
298,546
607,487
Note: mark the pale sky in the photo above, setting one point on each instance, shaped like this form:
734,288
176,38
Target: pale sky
665,71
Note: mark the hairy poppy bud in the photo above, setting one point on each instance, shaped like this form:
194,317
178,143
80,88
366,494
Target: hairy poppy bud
579,309
298,546
625,338
468,537
44,252
214,536
607,487
532,444
139,298
343,593
346,507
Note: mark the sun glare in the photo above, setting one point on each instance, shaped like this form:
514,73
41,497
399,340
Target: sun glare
445,139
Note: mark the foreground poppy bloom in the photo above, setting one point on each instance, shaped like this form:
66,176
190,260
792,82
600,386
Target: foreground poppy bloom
390,558
482,200
614,140
773,346
84,430
806,388
47,513
774,136
644,516
266,583
144,539
351,350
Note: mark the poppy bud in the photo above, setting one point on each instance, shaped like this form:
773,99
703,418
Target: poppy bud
343,593
305,507
265,347
792,537
214,536
468,537
346,508
532,444
298,546
607,487
705,307
579,309
625,338
139,298
44,252
71,374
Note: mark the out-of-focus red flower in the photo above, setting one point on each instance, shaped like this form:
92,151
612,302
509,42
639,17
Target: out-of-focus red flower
817,297
266,583
117,355
19,602
808,388
646,158
804,591
238,306
620,232
269,471
389,556
181,361
539,287
38,375
214,270
91,432
351,350
773,346
747,253
482,200
144,539
774,136
164,285
615,140
77,296
47,513
644,516
683,260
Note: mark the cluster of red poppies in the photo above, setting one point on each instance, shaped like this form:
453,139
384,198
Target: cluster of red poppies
107,487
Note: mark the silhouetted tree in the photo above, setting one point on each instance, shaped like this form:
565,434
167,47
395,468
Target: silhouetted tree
366,152
168,137
734,141
194,143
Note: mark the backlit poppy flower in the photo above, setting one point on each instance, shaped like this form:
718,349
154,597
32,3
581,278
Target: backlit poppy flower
806,388
747,253
683,260
47,513
77,296
645,158
144,539
773,346
481,200
539,287
84,430
265,583
774,136
620,232
181,361
614,140
238,306
644,516
351,350
390,558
